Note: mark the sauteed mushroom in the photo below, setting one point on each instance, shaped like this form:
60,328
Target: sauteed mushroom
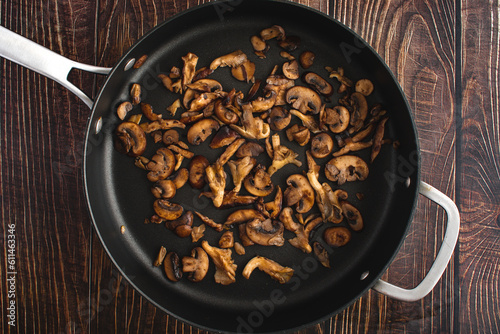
240,169
225,272
291,70
353,216
270,267
170,137
319,84
364,86
275,31
337,118
346,168
279,118
266,232
243,216
337,236
307,59
244,72
299,193
232,59
321,145
304,99
225,136
231,199
167,210
123,109
172,267
197,172
290,43
164,189
161,165
226,240
260,183
249,149
196,265
201,130
282,156
131,139
259,45
190,60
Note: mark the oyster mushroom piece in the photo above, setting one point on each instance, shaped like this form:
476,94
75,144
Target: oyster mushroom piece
316,82
180,178
290,43
274,207
227,114
210,222
282,156
346,168
240,169
299,193
232,199
280,85
196,265
243,216
182,225
279,118
197,173
339,75
321,254
308,121
266,232
353,216
161,165
226,240
304,99
216,178
229,152
188,70
301,240
259,184
252,128
378,138
337,118
321,145
299,133
233,59
201,130
147,110
170,137
131,139
167,210
270,267
225,272
205,85
291,69
162,124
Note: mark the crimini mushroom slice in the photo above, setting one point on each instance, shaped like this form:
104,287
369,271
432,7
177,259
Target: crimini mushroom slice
131,139
162,124
280,85
337,236
161,165
167,210
197,173
196,265
321,145
273,208
337,118
259,184
308,121
304,99
232,59
316,82
270,267
147,110
275,31
180,178
174,106
172,267
123,109
282,156
266,232
225,272
240,169
353,216
351,146
260,46
244,72
205,85
170,137
279,118
364,86
339,75
346,168
225,136
249,149
182,226
299,193
291,69
135,94
201,130
160,257
164,189
261,104
306,59
216,178
243,216
188,70
290,43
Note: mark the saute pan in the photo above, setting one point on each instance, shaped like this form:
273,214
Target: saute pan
118,193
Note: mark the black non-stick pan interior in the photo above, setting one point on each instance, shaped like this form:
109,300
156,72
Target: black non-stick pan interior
119,193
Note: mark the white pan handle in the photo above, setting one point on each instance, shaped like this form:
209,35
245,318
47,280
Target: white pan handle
443,257
31,55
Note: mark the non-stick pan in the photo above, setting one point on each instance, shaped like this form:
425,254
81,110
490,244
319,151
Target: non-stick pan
118,193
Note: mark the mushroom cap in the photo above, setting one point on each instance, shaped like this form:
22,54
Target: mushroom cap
353,216
290,43
201,130
172,266
249,149
304,99
225,115
131,139
306,59
299,192
182,224
346,168
360,108
364,86
266,232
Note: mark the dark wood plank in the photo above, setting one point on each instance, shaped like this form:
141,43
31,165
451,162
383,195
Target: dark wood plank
41,131
480,169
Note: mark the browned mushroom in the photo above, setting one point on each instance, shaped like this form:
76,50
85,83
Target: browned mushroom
180,178
280,85
249,149
377,139
337,236
339,75
162,124
259,45
167,210
275,31
204,85
225,269
298,133
210,222
170,137
252,128
270,267
290,43
147,110
196,265
197,172
353,216
244,72
188,70
232,199
266,232
245,240
240,169
359,110
351,146
233,59
301,240
346,168
259,184
161,165
123,109
131,139
321,254
201,130
243,216
279,118
273,208
164,189
299,193
225,136
261,104
239,249
282,156
304,99
226,113
309,121
135,93
317,83
172,266
160,257
203,100
182,225
226,240
174,106
291,70
216,178
364,86
337,118
307,59
321,145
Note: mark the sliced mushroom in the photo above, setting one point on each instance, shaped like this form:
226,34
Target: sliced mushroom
308,121
243,236
364,86
259,184
239,249
307,59
190,60
304,99
229,151
259,45
279,118
174,106
167,210
216,178
270,267
298,133
244,72
249,149
226,114
243,216
286,55
147,110
266,232
240,169
353,216
204,100
170,137
135,94
162,124
161,165
377,139
290,43
172,267
180,178
232,199
123,109
232,59
337,236
205,85
317,83
181,151
225,268
225,136
299,193
291,70
351,146
339,75
164,189
346,168
275,31
280,85
182,226
197,172
226,240
273,208
282,156
261,104
360,110
321,145
301,240
252,128
160,257
201,130
337,118
321,254
196,265
131,139
210,222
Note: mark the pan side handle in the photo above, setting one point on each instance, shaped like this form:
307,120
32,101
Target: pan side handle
31,55
443,257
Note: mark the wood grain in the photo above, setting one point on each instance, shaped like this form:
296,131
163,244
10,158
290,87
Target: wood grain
480,174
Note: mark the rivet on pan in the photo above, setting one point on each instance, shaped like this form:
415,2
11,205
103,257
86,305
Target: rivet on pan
129,64
98,126
408,182
364,275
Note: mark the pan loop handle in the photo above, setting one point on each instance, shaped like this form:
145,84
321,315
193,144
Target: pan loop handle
29,54
443,257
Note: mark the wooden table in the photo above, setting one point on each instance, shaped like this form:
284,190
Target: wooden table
445,56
